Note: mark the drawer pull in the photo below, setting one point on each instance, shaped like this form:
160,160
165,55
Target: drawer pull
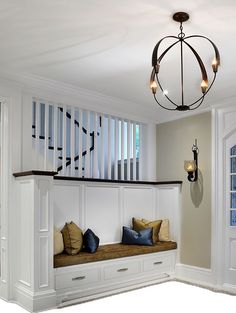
157,263
122,269
78,278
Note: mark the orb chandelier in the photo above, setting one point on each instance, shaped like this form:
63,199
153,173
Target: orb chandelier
205,86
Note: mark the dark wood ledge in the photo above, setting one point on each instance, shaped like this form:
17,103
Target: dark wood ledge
98,180
137,182
34,172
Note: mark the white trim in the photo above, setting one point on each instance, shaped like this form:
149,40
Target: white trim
35,302
4,216
194,274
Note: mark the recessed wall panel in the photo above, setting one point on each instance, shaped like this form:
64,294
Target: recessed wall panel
139,203
102,212
233,254
43,204
66,205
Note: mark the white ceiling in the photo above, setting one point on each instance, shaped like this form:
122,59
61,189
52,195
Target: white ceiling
106,46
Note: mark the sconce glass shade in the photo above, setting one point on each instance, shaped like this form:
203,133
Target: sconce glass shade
190,166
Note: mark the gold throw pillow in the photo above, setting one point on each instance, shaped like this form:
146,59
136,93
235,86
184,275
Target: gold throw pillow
143,224
58,244
164,231
73,238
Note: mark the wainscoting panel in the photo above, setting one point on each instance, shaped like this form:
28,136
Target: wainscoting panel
168,207
233,254
66,204
25,239
102,212
43,262
43,205
138,202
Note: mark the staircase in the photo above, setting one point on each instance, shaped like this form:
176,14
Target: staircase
78,157
77,142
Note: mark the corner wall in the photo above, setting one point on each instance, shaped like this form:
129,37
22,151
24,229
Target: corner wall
174,144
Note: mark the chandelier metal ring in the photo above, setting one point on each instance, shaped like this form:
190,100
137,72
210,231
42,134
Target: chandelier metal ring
182,40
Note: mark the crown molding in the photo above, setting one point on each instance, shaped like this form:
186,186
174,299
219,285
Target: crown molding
56,91
63,93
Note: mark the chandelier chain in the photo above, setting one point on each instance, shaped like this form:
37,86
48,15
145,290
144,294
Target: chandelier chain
181,34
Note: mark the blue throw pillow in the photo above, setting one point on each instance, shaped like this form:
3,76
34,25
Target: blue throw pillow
91,241
132,237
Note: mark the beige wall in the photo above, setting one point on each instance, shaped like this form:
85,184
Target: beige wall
174,144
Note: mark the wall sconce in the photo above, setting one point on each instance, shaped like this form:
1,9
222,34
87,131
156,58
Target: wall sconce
191,167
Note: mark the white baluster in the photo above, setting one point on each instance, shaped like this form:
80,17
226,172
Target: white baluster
122,150
109,149
80,142
55,132
140,152
72,141
88,144
102,147
64,143
37,133
134,151
128,150
95,151
116,148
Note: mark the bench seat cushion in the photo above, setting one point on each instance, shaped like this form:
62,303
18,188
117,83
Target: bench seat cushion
110,251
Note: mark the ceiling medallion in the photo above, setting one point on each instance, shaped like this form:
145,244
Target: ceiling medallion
183,41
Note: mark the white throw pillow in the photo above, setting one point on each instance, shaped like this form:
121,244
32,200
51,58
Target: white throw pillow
58,242
164,231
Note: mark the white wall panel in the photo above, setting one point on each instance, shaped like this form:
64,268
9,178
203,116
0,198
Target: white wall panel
167,206
25,239
66,204
139,202
43,261
43,204
233,254
102,213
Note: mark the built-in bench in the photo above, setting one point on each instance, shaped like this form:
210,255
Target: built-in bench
109,252
104,206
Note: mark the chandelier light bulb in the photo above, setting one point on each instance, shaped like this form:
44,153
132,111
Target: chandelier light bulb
204,86
153,86
214,65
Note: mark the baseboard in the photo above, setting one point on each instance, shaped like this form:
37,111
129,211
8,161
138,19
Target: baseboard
229,288
195,275
35,302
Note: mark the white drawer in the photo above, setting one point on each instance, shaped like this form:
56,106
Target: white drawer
77,278
122,269
159,263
